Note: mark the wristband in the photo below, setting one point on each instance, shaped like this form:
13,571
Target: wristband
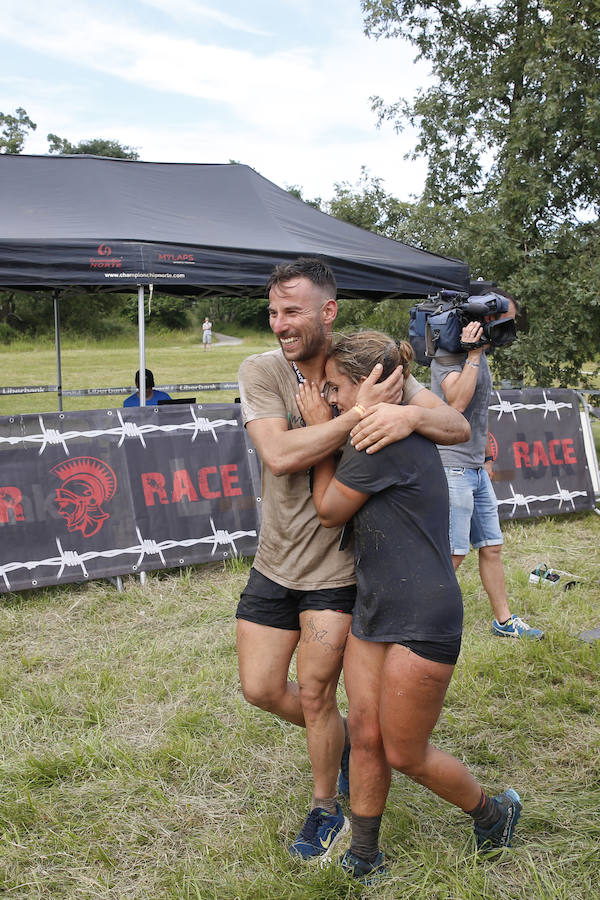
488,459
473,365
360,409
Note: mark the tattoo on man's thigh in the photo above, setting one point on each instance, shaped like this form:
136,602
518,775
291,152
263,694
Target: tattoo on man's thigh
311,634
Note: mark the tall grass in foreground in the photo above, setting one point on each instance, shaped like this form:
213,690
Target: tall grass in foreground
132,767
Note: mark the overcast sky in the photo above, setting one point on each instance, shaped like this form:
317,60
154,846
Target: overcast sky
282,85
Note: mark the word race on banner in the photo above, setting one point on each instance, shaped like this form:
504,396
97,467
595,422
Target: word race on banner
109,492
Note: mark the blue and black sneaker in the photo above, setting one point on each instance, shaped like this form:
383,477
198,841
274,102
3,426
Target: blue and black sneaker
363,871
344,776
320,833
516,628
499,835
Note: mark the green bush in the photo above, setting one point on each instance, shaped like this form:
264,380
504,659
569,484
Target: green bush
7,334
166,312
389,316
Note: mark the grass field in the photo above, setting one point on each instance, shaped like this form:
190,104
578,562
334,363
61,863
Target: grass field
176,359
131,767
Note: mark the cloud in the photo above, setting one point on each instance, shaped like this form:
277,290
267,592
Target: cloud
188,11
238,79
300,113
317,85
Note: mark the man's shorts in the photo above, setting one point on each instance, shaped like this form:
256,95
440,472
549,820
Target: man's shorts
267,603
473,510
207,337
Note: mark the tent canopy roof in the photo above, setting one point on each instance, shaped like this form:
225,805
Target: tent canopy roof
187,228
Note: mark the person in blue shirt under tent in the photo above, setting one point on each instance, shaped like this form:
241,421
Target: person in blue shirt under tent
152,396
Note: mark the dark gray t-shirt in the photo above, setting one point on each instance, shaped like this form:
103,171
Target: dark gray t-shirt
407,589
472,453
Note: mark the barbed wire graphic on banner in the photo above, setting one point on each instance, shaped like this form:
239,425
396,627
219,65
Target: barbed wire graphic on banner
507,407
520,500
218,537
53,437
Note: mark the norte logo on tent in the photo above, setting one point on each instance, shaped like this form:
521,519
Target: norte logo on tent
87,483
105,259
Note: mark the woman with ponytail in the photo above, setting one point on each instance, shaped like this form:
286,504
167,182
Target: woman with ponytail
407,621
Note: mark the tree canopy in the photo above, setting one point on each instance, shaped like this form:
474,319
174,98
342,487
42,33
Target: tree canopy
510,128
515,103
93,147
14,130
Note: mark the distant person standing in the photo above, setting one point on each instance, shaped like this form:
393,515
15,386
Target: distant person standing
207,333
152,396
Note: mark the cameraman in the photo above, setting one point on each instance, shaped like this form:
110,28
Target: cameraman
464,381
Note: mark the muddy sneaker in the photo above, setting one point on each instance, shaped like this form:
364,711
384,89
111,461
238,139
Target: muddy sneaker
320,833
363,871
500,834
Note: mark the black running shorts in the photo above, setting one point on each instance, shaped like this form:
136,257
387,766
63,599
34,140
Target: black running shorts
437,651
267,603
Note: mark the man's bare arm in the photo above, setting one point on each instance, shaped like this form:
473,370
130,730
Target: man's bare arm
285,451
427,414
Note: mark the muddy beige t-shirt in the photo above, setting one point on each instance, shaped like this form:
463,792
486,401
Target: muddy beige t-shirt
294,550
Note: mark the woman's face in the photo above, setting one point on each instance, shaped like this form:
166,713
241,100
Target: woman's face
342,392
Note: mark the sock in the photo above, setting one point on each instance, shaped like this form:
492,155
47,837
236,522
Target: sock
486,813
506,620
365,836
329,804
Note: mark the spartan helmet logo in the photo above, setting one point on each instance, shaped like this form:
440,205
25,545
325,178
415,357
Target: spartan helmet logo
87,483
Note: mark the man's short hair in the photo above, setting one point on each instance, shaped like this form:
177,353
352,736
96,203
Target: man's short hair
309,267
149,379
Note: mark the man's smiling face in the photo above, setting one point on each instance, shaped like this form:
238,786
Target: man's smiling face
300,316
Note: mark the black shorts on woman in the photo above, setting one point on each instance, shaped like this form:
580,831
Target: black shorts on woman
407,590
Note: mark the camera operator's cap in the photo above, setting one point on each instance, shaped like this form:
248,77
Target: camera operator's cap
149,379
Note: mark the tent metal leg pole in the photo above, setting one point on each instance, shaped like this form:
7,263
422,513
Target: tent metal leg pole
57,343
142,344
142,366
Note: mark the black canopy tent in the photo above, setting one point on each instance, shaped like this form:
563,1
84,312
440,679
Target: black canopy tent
113,224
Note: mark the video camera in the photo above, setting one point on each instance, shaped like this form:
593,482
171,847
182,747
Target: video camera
439,321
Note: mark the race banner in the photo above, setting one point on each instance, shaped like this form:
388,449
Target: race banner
540,462
98,493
